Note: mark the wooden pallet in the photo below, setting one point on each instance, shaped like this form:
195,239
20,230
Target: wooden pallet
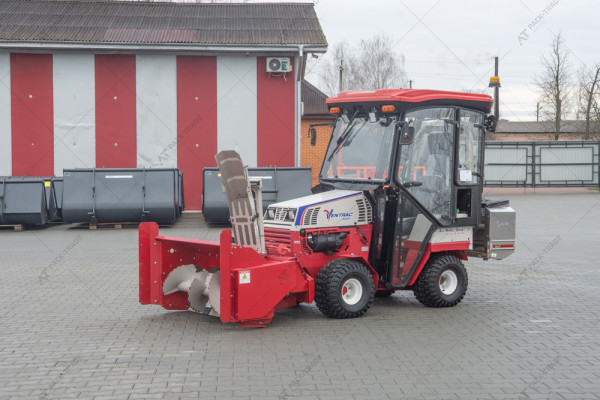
16,228
112,225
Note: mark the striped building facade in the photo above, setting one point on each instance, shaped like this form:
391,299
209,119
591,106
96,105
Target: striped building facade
123,106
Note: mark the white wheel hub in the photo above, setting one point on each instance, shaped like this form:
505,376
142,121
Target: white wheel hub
448,282
352,291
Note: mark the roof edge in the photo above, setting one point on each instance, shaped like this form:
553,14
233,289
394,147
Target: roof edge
170,47
170,3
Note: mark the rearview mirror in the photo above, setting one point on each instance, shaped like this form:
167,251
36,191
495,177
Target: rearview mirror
490,123
312,132
406,134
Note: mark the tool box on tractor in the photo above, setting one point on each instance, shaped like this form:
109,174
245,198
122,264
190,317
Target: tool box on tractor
399,206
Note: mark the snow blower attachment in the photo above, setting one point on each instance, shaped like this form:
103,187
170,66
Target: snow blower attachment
237,281
204,287
399,207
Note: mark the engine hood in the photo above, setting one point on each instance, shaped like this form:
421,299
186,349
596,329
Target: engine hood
328,209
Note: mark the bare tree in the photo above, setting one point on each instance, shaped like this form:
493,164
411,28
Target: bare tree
328,68
588,99
369,65
554,84
375,65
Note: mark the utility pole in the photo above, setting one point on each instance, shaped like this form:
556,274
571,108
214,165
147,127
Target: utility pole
537,112
410,84
341,72
496,92
495,83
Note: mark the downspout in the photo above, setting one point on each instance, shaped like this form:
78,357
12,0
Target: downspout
298,116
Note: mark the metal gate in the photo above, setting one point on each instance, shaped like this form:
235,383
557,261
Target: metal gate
542,164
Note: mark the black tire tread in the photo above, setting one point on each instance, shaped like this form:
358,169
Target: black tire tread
426,288
326,288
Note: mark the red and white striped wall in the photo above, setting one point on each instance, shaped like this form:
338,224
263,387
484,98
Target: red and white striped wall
83,110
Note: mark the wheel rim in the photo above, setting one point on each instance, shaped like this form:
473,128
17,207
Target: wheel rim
352,291
448,282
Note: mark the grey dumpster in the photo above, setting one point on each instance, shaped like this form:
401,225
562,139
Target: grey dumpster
121,195
278,184
22,201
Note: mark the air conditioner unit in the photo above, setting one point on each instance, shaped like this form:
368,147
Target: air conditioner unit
279,64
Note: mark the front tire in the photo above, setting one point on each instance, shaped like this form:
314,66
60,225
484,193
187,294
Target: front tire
344,289
442,283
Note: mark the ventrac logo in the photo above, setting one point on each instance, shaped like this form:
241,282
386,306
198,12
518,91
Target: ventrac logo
344,215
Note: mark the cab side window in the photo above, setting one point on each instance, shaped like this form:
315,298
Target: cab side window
469,157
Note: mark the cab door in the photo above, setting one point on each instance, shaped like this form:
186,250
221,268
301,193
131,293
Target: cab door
424,174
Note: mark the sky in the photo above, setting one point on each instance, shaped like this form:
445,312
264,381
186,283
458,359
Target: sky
451,44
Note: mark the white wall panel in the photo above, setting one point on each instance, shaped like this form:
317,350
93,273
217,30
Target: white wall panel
74,113
509,172
566,156
237,109
5,127
156,103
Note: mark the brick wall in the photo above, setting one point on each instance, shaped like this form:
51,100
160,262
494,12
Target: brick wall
312,156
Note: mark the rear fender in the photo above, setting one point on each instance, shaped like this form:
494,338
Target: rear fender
458,249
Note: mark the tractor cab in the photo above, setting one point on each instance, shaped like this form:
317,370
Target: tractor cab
418,157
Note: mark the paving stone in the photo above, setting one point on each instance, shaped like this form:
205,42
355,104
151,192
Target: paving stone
526,329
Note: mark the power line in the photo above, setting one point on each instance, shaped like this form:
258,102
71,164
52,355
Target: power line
471,63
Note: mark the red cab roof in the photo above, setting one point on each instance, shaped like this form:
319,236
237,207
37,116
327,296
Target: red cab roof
407,95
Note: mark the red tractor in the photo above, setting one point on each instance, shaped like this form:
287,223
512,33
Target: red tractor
398,207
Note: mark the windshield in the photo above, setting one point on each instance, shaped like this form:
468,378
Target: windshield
359,150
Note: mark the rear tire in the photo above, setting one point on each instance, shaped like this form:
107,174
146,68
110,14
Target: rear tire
442,283
344,289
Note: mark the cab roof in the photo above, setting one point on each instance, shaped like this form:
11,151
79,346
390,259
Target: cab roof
405,99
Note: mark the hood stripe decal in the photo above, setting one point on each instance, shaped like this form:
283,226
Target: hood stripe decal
302,210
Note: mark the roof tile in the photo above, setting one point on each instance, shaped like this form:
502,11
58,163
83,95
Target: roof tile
83,21
314,100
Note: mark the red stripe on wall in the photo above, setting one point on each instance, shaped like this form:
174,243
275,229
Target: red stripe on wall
196,123
275,108
32,113
115,111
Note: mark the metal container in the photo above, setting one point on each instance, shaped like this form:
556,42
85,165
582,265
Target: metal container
278,184
500,223
122,195
23,201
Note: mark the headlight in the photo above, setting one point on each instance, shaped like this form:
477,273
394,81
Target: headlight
291,214
271,213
